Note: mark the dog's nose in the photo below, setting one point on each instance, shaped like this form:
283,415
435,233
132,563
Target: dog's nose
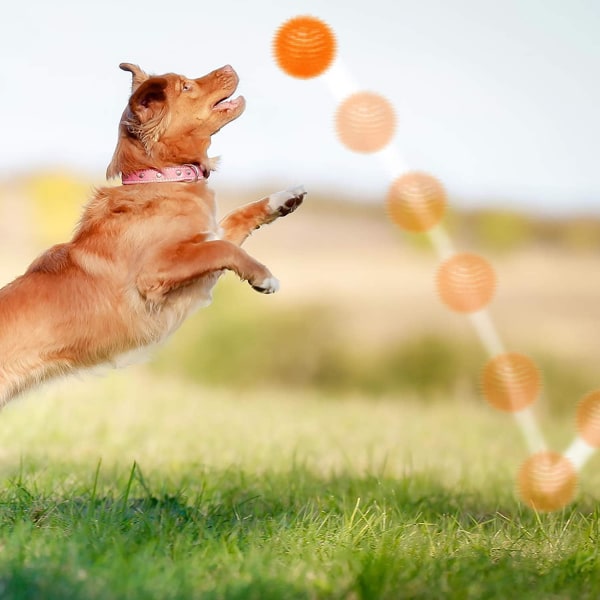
227,68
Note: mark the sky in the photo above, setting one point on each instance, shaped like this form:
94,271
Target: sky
499,100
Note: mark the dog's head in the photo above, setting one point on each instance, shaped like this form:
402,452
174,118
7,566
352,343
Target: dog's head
170,118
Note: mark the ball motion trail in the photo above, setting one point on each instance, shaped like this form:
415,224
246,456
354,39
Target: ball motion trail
305,47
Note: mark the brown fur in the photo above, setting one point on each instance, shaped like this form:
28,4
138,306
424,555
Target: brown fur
144,255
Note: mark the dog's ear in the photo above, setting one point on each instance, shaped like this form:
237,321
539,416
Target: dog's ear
148,101
139,76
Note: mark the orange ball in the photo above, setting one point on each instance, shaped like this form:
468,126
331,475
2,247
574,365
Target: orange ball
511,382
588,418
466,282
416,201
365,122
547,481
304,47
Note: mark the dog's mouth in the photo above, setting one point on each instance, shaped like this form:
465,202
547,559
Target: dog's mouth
228,104
223,107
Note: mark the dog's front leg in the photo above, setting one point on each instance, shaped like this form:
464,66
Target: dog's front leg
240,223
183,263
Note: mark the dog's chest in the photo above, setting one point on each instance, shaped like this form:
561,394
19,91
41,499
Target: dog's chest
157,242
202,226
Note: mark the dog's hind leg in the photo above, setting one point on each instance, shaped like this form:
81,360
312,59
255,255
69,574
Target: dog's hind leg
240,223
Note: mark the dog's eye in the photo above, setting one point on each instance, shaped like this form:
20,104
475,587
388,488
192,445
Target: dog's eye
186,87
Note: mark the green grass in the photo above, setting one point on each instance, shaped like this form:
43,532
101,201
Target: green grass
136,487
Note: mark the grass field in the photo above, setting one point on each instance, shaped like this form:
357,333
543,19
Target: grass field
326,442
133,487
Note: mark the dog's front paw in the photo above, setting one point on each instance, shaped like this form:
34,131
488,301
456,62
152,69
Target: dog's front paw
287,201
267,286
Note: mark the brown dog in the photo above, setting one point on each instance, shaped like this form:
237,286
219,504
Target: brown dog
145,253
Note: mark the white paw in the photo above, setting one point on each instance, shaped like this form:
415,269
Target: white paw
287,201
268,286
297,191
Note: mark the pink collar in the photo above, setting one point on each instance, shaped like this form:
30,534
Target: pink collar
188,173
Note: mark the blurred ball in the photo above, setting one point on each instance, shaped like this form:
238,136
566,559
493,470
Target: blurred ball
365,122
304,47
416,201
547,481
588,418
511,382
466,282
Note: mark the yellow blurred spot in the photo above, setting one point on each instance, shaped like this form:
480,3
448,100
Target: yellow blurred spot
511,382
547,481
56,199
365,122
588,418
304,47
466,282
416,201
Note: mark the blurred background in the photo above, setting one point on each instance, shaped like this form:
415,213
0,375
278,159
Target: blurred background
497,100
